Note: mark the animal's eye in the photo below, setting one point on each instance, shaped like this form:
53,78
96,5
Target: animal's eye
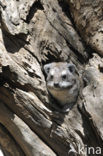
51,77
64,77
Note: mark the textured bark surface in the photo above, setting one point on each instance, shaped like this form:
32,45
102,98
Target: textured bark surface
88,18
36,32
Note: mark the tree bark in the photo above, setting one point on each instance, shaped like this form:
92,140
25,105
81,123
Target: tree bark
36,32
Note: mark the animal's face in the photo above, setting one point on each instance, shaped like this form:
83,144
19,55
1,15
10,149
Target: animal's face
60,75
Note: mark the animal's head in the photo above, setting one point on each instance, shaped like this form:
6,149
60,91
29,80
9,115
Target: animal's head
60,75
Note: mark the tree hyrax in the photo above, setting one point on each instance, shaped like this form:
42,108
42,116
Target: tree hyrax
62,82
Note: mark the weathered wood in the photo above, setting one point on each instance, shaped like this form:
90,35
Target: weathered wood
33,33
87,16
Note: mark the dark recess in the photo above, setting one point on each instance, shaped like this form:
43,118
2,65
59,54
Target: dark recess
37,5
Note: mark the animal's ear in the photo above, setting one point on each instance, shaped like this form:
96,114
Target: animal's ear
47,68
71,68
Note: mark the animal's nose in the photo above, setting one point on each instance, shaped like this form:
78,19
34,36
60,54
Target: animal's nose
56,84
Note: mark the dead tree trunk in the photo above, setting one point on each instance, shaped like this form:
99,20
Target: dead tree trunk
36,32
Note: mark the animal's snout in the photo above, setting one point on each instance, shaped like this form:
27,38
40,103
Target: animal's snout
56,84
